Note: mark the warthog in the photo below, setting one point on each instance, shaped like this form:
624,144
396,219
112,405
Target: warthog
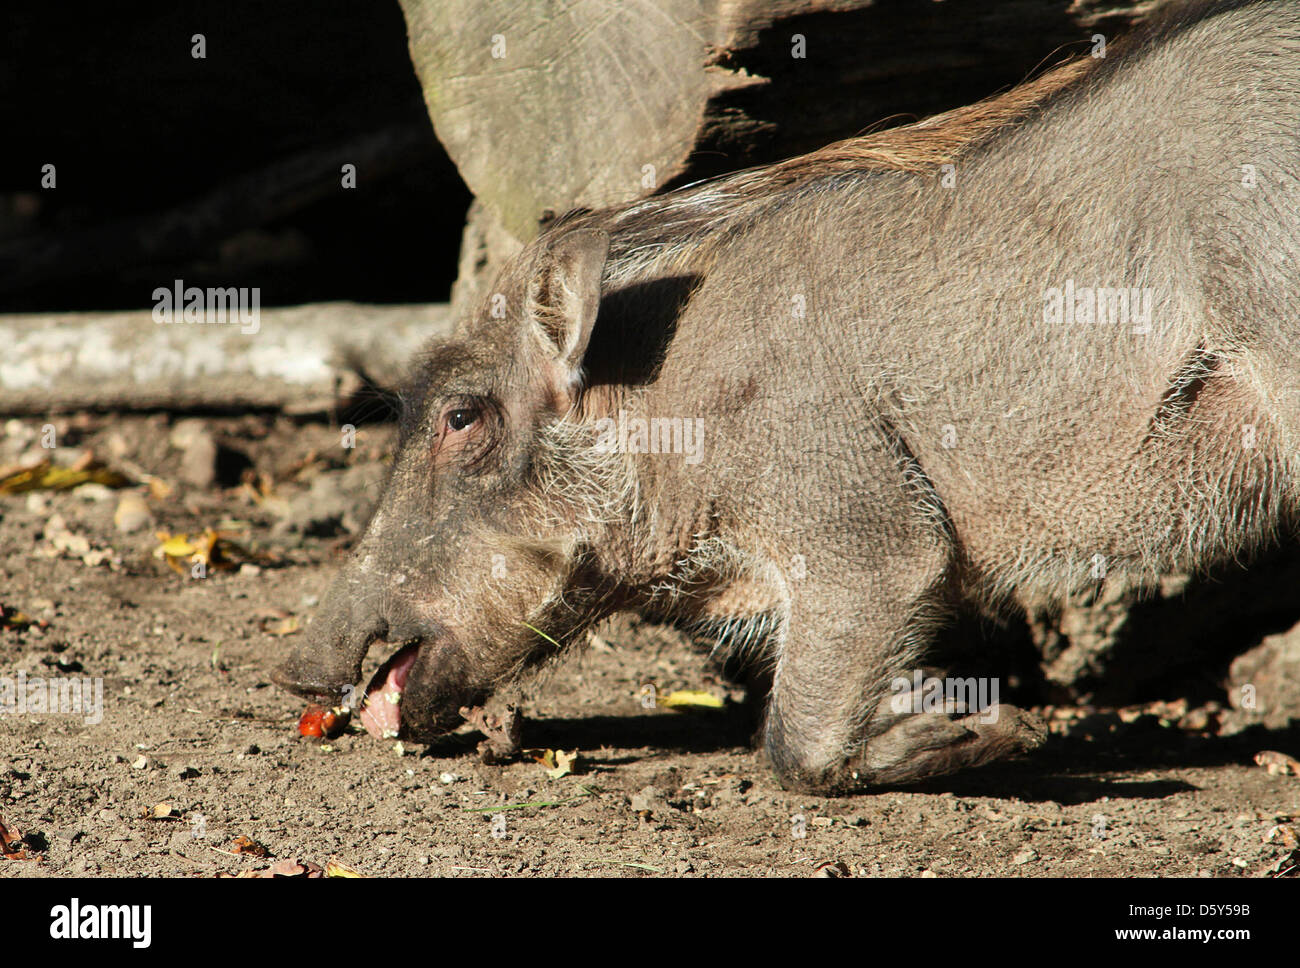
906,392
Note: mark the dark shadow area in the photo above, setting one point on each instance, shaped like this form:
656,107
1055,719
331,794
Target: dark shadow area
686,732
1213,620
225,170
635,328
1067,770
894,63
1072,770
1167,647
1058,788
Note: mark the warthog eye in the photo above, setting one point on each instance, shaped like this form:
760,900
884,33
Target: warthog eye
464,435
460,419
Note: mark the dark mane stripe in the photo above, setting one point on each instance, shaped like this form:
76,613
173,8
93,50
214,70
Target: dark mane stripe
674,232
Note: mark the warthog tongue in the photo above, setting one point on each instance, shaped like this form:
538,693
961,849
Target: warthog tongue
381,711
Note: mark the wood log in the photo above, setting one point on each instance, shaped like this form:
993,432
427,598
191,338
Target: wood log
303,359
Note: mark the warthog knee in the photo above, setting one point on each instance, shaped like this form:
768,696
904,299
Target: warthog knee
808,765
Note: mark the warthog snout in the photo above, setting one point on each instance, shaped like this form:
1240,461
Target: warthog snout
327,662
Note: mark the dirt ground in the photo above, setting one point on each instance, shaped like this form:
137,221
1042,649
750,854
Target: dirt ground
196,747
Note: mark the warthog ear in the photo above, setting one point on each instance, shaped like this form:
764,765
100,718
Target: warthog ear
564,296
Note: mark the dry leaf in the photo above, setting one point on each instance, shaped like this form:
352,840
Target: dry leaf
286,626
565,763
832,868
502,733
46,477
259,487
284,868
1278,764
690,698
174,545
11,618
213,548
1283,834
334,869
291,868
247,847
1288,865
12,845
558,763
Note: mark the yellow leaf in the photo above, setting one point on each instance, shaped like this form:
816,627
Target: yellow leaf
25,479
334,869
175,546
14,619
44,477
213,548
686,698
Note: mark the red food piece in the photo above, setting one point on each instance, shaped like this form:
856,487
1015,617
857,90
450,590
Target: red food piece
311,722
335,721
327,723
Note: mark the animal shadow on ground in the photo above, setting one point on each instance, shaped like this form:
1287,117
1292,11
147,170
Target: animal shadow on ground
1073,770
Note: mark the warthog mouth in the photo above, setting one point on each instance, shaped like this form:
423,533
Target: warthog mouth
381,709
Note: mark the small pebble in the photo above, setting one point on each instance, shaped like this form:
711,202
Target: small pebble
132,513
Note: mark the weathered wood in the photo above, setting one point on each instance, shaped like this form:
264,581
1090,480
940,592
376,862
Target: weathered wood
485,245
545,106
302,358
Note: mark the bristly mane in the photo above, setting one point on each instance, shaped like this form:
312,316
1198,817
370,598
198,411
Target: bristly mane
676,232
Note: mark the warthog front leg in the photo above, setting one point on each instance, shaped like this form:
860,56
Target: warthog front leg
859,624
893,748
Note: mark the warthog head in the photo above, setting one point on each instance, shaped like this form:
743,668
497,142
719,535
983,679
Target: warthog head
476,561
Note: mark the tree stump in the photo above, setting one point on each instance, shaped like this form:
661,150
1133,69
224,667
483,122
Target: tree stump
546,105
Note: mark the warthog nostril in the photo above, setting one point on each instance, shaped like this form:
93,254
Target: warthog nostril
289,675
324,672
